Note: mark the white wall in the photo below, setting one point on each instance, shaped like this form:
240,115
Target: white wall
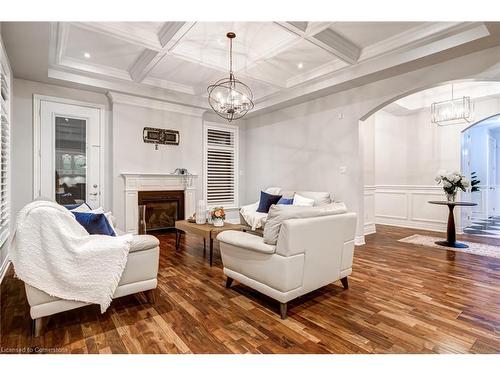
132,155
407,152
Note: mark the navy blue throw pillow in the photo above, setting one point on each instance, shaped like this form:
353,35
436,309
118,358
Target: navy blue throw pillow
287,201
266,201
94,223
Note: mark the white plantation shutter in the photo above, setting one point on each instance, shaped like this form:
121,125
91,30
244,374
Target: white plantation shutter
4,154
221,151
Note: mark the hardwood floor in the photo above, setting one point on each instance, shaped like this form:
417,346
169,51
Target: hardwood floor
402,298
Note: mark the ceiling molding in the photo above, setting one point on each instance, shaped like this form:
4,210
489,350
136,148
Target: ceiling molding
61,41
93,81
346,77
113,29
77,66
118,98
146,61
320,34
169,35
172,32
301,25
169,85
420,34
337,45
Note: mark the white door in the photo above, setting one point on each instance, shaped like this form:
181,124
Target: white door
69,169
492,176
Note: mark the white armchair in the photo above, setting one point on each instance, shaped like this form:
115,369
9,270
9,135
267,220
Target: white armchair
309,254
139,275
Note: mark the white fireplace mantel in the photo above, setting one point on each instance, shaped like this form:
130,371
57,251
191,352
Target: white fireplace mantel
135,182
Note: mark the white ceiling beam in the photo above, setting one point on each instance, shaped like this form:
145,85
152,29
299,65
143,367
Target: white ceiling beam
172,32
146,61
320,34
337,45
130,35
169,35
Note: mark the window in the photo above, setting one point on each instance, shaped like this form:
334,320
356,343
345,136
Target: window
221,165
4,154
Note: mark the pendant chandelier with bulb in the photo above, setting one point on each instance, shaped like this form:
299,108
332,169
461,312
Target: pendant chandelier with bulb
453,111
230,98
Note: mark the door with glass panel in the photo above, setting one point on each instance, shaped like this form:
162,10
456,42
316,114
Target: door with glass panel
69,153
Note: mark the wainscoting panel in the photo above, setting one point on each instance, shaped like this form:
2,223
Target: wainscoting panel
391,204
407,206
369,198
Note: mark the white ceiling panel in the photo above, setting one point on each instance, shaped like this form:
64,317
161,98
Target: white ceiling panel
103,49
207,43
364,34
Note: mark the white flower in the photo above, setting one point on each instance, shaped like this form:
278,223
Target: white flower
450,177
457,178
465,182
446,184
438,179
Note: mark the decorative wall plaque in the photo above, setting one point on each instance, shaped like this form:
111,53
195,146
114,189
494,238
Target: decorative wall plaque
161,136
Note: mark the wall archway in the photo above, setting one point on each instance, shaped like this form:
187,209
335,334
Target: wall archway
419,89
414,194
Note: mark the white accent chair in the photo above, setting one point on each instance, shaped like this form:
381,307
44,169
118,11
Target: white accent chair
310,253
139,275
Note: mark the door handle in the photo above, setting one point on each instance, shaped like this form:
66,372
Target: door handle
93,193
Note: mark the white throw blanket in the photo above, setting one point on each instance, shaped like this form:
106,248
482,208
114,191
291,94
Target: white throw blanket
52,252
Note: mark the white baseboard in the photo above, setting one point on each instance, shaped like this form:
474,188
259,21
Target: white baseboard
359,240
424,225
3,270
370,228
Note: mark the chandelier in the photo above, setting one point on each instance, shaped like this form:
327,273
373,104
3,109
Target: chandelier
454,111
230,98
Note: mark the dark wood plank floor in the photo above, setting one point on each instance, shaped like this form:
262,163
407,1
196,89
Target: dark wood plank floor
402,299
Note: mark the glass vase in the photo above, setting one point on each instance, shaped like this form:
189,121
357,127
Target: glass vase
450,197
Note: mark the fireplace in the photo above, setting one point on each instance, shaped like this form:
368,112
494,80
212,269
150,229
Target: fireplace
158,210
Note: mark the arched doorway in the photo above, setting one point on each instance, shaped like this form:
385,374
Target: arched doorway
480,156
402,157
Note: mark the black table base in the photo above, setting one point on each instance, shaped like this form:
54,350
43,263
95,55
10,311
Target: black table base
451,237
458,245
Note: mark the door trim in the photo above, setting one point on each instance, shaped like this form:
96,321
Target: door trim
37,101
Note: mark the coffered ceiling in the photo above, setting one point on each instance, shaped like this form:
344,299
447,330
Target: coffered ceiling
176,61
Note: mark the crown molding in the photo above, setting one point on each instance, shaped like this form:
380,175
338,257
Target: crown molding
337,45
130,34
169,85
426,33
118,98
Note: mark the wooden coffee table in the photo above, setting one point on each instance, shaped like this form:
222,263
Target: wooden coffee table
207,231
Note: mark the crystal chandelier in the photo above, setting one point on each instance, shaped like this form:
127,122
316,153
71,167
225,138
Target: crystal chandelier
454,111
229,98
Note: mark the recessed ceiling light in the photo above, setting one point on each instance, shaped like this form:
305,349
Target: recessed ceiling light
300,65
86,55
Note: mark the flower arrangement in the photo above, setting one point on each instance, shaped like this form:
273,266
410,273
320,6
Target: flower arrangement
218,216
451,183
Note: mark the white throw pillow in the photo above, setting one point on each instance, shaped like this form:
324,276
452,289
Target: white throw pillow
320,197
84,207
299,200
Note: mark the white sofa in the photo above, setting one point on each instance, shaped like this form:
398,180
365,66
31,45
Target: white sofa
255,221
309,254
139,275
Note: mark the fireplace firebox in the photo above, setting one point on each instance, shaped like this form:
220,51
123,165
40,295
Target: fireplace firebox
158,210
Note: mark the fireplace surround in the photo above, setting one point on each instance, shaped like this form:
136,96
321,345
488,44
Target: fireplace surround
138,183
